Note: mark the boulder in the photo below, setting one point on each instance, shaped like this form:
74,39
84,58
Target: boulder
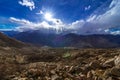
117,61
109,63
115,71
95,64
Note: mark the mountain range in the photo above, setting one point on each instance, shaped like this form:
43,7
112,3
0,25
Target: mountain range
66,40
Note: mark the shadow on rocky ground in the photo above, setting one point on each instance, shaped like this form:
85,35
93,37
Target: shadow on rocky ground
59,64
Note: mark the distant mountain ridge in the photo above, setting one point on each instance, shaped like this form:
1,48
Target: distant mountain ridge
68,40
92,41
6,41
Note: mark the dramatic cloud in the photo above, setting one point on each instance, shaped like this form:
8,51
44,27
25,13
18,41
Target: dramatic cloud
112,16
99,23
20,21
115,32
27,3
77,25
6,29
26,25
95,24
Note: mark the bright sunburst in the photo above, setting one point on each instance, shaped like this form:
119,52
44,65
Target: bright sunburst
48,16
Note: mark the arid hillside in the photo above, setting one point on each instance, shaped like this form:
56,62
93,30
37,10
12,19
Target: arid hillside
19,61
30,63
7,41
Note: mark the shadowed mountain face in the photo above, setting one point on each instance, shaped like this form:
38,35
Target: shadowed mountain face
6,41
68,40
92,41
36,38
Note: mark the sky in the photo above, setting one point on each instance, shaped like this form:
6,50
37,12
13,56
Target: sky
61,16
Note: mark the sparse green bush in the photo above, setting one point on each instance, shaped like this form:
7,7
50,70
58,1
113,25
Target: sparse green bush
66,55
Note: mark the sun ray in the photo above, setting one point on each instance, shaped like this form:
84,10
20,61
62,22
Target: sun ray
48,16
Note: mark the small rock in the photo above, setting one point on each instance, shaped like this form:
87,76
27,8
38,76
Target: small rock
52,72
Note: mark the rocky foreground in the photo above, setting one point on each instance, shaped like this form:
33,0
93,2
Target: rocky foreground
59,64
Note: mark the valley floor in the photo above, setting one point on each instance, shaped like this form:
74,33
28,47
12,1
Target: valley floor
59,64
